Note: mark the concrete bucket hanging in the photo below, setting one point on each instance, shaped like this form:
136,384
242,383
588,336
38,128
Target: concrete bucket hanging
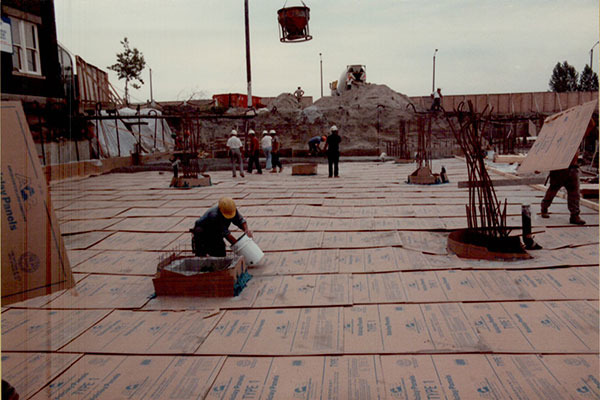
293,24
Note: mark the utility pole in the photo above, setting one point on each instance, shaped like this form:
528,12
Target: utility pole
433,84
321,62
248,72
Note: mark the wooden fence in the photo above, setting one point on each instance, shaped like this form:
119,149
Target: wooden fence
514,103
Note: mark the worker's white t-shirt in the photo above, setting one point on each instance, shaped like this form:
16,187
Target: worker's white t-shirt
234,143
266,142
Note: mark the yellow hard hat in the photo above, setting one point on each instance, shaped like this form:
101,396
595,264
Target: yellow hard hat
227,207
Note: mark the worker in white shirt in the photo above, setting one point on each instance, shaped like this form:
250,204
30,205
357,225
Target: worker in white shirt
266,143
235,152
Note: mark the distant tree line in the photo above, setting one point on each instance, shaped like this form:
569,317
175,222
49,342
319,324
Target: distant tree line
565,78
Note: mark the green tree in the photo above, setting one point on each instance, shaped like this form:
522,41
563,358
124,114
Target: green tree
129,66
564,78
588,80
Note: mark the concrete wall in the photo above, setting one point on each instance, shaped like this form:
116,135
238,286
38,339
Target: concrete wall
514,103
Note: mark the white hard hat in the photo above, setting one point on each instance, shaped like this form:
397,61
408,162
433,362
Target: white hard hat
265,132
234,132
272,131
251,132
333,128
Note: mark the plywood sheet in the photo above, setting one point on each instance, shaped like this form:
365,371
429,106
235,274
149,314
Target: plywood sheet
146,332
45,330
135,377
30,372
106,291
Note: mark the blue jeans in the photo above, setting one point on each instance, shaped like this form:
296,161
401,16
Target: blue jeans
267,151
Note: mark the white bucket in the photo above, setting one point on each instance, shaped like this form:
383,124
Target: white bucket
246,247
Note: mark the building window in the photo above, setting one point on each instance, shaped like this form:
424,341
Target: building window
26,48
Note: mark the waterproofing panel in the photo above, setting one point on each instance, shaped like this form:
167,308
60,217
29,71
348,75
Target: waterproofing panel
380,259
294,378
82,241
137,241
362,330
241,378
121,262
545,330
377,288
319,331
469,376
423,286
89,225
146,332
404,329
495,329
408,260
449,329
106,291
353,378
105,377
578,374
29,372
411,377
144,224
45,330
460,286
525,376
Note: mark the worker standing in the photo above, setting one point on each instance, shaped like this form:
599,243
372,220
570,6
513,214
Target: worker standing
253,153
235,152
437,100
210,229
314,144
332,149
299,93
266,144
276,147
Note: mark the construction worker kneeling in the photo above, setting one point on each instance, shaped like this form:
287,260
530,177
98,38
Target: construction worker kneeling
210,229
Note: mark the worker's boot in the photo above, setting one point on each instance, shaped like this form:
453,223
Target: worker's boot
576,220
545,213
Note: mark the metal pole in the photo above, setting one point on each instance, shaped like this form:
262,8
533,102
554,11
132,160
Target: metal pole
248,71
592,54
433,83
321,62
151,97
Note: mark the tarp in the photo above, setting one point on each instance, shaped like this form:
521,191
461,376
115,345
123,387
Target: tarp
118,137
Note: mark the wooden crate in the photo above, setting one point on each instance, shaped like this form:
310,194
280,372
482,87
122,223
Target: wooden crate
186,276
304,169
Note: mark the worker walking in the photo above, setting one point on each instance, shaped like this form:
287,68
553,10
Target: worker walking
253,153
266,144
569,179
276,147
210,229
235,152
332,149
314,144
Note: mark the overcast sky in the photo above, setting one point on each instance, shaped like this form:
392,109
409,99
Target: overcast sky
197,47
